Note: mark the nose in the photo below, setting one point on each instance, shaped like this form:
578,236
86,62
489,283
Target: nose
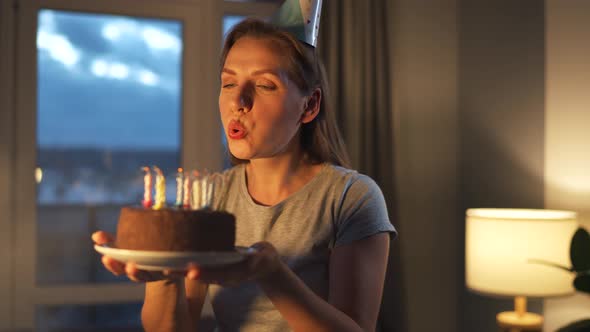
244,99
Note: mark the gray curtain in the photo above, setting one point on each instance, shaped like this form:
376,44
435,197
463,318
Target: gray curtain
355,44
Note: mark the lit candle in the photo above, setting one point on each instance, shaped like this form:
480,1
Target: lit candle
210,183
204,190
179,184
196,191
160,199
186,195
147,188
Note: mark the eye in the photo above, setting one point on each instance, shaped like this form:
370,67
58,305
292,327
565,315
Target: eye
266,87
228,85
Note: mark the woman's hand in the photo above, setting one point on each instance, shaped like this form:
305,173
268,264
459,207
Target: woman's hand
130,269
261,264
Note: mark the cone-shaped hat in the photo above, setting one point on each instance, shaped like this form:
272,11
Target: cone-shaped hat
301,18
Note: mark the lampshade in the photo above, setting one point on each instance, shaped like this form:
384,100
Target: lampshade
505,248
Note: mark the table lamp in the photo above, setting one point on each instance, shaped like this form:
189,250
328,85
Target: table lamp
509,252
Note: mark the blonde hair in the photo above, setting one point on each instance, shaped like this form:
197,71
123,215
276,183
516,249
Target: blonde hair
320,139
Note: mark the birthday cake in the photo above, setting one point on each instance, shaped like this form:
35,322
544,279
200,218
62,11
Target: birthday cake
191,225
171,229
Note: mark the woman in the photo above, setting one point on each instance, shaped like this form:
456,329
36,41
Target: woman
321,230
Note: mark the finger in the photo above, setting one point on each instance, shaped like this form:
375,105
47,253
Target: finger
193,273
261,248
116,267
101,237
258,246
132,272
139,275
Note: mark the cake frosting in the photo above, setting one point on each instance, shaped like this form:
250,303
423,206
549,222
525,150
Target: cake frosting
173,229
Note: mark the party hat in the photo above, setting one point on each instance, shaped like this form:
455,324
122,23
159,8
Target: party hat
301,18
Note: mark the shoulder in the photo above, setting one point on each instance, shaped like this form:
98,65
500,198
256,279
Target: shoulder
353,191
361,209
230,175
232,171
352,182
227,183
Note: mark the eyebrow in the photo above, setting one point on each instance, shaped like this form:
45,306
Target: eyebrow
255,73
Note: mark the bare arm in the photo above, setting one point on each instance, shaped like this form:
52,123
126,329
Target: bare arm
357,274
172,302
196,292
165,307
357,277
173,305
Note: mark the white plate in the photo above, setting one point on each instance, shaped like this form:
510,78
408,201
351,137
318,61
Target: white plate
161,260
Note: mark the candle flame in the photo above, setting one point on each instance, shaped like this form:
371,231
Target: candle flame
38,175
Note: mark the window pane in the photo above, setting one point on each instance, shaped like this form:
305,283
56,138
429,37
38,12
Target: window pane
109,102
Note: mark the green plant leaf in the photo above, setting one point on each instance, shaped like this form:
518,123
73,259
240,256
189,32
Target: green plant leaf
580,250
582,283
579,326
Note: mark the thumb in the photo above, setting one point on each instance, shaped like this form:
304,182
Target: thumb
101,237
262,246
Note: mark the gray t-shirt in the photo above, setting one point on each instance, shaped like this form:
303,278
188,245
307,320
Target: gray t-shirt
338,206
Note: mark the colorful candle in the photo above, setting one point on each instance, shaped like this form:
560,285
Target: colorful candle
179,186
160,199
210,183
204,190
196,197
186,191
147,188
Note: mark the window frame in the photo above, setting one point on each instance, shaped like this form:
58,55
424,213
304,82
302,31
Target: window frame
7,155
18,113
196,127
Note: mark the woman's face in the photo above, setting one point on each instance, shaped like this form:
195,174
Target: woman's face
261,109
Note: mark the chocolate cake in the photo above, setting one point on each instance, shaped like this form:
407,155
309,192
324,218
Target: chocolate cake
171,229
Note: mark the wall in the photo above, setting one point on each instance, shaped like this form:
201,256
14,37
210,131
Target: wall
501,116
469,104
425,114
6,161
567,137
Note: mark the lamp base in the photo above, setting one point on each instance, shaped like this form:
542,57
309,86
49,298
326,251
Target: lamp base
526,320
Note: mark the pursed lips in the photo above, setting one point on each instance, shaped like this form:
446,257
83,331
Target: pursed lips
236,130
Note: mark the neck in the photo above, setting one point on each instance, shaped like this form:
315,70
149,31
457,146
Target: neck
272,180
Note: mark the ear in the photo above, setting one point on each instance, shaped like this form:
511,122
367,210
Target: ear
312,106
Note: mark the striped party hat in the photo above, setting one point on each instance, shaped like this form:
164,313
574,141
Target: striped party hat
301,18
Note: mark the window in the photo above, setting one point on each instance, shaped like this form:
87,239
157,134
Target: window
109,96
93,91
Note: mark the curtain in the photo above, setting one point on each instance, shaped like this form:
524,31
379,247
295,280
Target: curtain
355,45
